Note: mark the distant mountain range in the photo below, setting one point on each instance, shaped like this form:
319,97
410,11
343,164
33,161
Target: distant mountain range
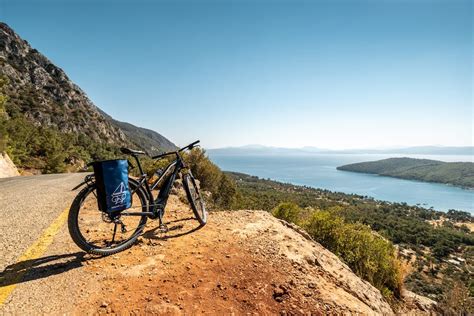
266,150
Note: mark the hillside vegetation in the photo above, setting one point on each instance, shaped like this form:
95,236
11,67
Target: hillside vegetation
455,173
370,256
433,259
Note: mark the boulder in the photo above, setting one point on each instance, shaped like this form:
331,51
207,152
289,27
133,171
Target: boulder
7,167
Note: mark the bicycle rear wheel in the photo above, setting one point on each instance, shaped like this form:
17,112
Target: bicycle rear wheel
99,232
195,198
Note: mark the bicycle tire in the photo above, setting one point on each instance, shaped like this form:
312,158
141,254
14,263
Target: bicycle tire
80,240
195,200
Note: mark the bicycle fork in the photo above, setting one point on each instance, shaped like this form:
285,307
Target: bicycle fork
162,199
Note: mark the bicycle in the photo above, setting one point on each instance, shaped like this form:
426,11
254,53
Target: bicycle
94,239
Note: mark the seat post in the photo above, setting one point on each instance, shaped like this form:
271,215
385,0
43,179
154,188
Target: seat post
139,165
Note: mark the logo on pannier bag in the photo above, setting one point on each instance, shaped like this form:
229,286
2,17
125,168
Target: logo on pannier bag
119,195
113,192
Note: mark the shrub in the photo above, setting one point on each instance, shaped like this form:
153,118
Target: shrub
222,188
226,194
370,256
457,301
203,169
287,211
149,165
326,229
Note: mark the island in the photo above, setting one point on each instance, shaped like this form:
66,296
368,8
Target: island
454,173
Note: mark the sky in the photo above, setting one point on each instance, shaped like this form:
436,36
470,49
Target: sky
329,74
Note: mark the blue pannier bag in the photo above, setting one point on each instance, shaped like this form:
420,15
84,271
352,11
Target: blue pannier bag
113,192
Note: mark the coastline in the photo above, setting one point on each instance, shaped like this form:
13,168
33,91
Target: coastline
363,197
320,171
467,188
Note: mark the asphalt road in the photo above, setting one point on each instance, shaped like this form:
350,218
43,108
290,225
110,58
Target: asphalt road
28,206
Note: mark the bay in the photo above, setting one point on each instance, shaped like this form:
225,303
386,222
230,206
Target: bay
319,171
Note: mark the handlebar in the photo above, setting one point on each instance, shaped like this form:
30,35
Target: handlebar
187,147
190,146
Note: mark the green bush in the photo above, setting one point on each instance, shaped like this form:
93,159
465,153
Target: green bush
225,196
149,165
203,169
222,188
287,211
369,255
326,229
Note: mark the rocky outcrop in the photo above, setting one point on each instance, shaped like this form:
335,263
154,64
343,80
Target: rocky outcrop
242,263
7,167
414,302
337,288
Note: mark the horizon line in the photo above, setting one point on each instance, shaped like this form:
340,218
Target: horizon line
256,146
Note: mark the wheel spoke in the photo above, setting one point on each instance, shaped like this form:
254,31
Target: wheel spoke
94,232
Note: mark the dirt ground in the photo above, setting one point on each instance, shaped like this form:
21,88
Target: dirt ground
191,270
241,263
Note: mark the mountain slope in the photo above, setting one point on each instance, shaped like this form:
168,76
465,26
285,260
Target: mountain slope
143,138
455,173
43,94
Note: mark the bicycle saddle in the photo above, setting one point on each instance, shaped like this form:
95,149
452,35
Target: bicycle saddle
128,151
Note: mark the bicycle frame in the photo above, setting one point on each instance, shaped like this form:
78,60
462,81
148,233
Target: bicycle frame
167,176
158,204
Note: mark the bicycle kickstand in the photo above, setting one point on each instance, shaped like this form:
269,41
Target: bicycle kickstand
163,228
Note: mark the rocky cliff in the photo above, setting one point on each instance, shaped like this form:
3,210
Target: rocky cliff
43,93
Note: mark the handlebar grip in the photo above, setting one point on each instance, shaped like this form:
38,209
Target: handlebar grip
190,146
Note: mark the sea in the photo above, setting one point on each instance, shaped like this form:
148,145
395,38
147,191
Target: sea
319,171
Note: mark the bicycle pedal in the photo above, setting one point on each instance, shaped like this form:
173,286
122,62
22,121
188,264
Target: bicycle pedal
124,229
163,228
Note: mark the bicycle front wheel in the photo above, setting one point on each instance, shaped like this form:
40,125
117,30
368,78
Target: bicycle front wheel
98,232
195,198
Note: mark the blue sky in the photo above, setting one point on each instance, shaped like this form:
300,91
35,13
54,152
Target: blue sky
331,74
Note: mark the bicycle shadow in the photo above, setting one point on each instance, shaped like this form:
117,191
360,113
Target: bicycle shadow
174,231
34,269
